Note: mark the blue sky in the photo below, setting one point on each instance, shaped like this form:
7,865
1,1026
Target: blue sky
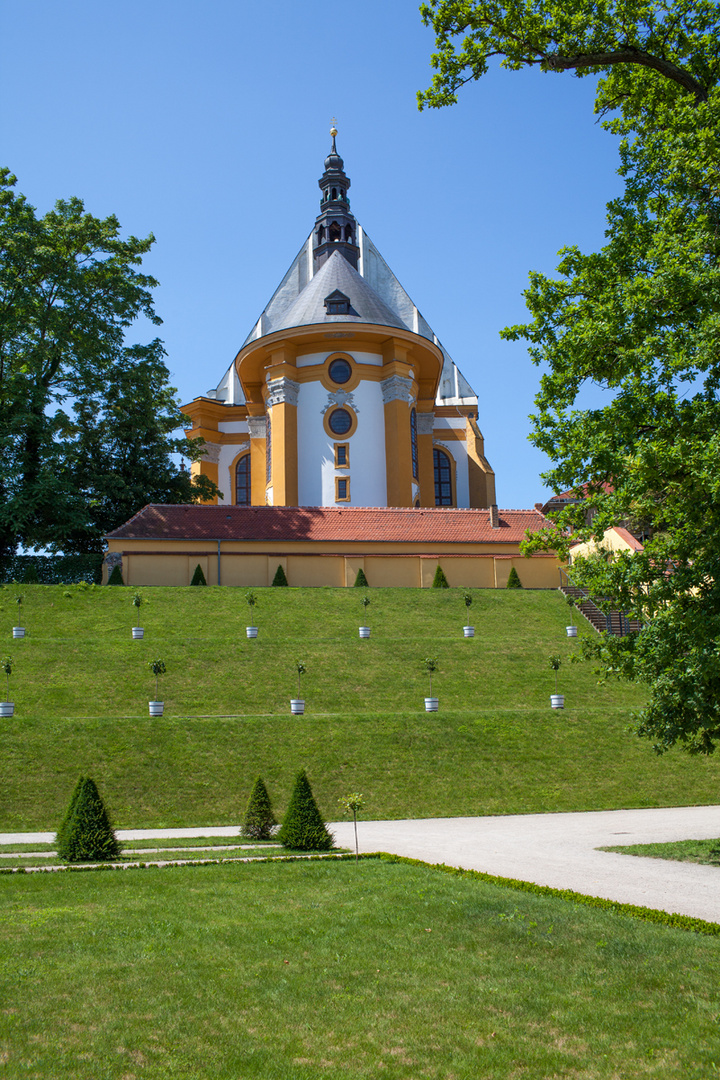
207,125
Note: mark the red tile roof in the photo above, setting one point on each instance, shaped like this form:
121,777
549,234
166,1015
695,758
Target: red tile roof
327,524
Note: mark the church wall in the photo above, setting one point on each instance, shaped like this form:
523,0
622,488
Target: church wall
316,458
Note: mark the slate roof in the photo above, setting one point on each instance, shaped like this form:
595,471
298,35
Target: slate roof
435,525
337,273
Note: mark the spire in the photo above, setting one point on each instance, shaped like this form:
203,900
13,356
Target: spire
335,227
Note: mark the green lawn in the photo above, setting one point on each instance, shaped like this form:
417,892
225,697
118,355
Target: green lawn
705,852
81,687
296,971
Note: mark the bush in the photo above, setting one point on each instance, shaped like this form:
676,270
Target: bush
116,577
303,828
31,576
513,581
86,832
198,577
280,578
361,582
440,581
259,819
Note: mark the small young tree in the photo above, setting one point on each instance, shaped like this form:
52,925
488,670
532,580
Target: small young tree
555,662
430,666
18,601
366,604
251,601
280,578
467,597
158,668
301,670
303,828
440,581
137,603
198,577
361,582
86,832
6,665
259,820
513,581
116,577
353,804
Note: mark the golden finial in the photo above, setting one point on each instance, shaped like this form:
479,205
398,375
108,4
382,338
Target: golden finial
333,128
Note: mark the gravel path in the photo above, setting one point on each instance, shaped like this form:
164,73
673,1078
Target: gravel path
549,849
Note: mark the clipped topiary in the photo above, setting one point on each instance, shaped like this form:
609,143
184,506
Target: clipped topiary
440,581
303,828
259,819
198,577
513,581
116,577
361,582
280,578
86,833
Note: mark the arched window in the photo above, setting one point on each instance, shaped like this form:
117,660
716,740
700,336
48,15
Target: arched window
242,481
334,232
349,234
321,234
443,478
413,443
334,193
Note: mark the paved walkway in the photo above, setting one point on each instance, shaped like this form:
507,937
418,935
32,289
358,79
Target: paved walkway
549,849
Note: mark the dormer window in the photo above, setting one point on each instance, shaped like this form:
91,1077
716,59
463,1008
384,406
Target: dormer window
337,303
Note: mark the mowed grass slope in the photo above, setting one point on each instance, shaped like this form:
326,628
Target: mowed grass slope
81,687
294,971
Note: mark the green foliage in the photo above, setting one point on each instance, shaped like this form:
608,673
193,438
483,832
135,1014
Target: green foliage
430,665
303,828
30,575
280,578
301,670
259,820
440,581
638,320
158,668
54,569
198,577
137,601
365,603
361,582
86,833
513,581
251,600
467,599
86,422
116,577
6,666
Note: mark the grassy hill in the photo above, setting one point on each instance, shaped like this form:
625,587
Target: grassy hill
81,687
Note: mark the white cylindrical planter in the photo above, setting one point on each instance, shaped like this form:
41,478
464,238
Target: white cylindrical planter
431,704
297,706
557,701
156,707
18,631
7,708
137,633
364,631
468,631
571,631
251,631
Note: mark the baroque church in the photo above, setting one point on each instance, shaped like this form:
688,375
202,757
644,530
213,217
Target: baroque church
342,437
341,393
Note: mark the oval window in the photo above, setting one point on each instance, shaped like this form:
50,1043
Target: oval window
340,371
340,422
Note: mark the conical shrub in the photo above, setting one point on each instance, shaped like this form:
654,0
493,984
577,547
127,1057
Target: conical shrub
280,578
259,818
440,581
116,577
198,577
361,582
513,581
86,833
303,828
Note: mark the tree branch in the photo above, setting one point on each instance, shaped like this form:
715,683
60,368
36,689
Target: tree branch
629,55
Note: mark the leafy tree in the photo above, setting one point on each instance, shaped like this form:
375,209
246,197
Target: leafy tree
280,578
85,419
361,582
198,577
303,828
639,319
440,581
86,832
513,581
259,820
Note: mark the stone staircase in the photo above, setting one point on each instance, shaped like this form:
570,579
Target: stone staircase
613,622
